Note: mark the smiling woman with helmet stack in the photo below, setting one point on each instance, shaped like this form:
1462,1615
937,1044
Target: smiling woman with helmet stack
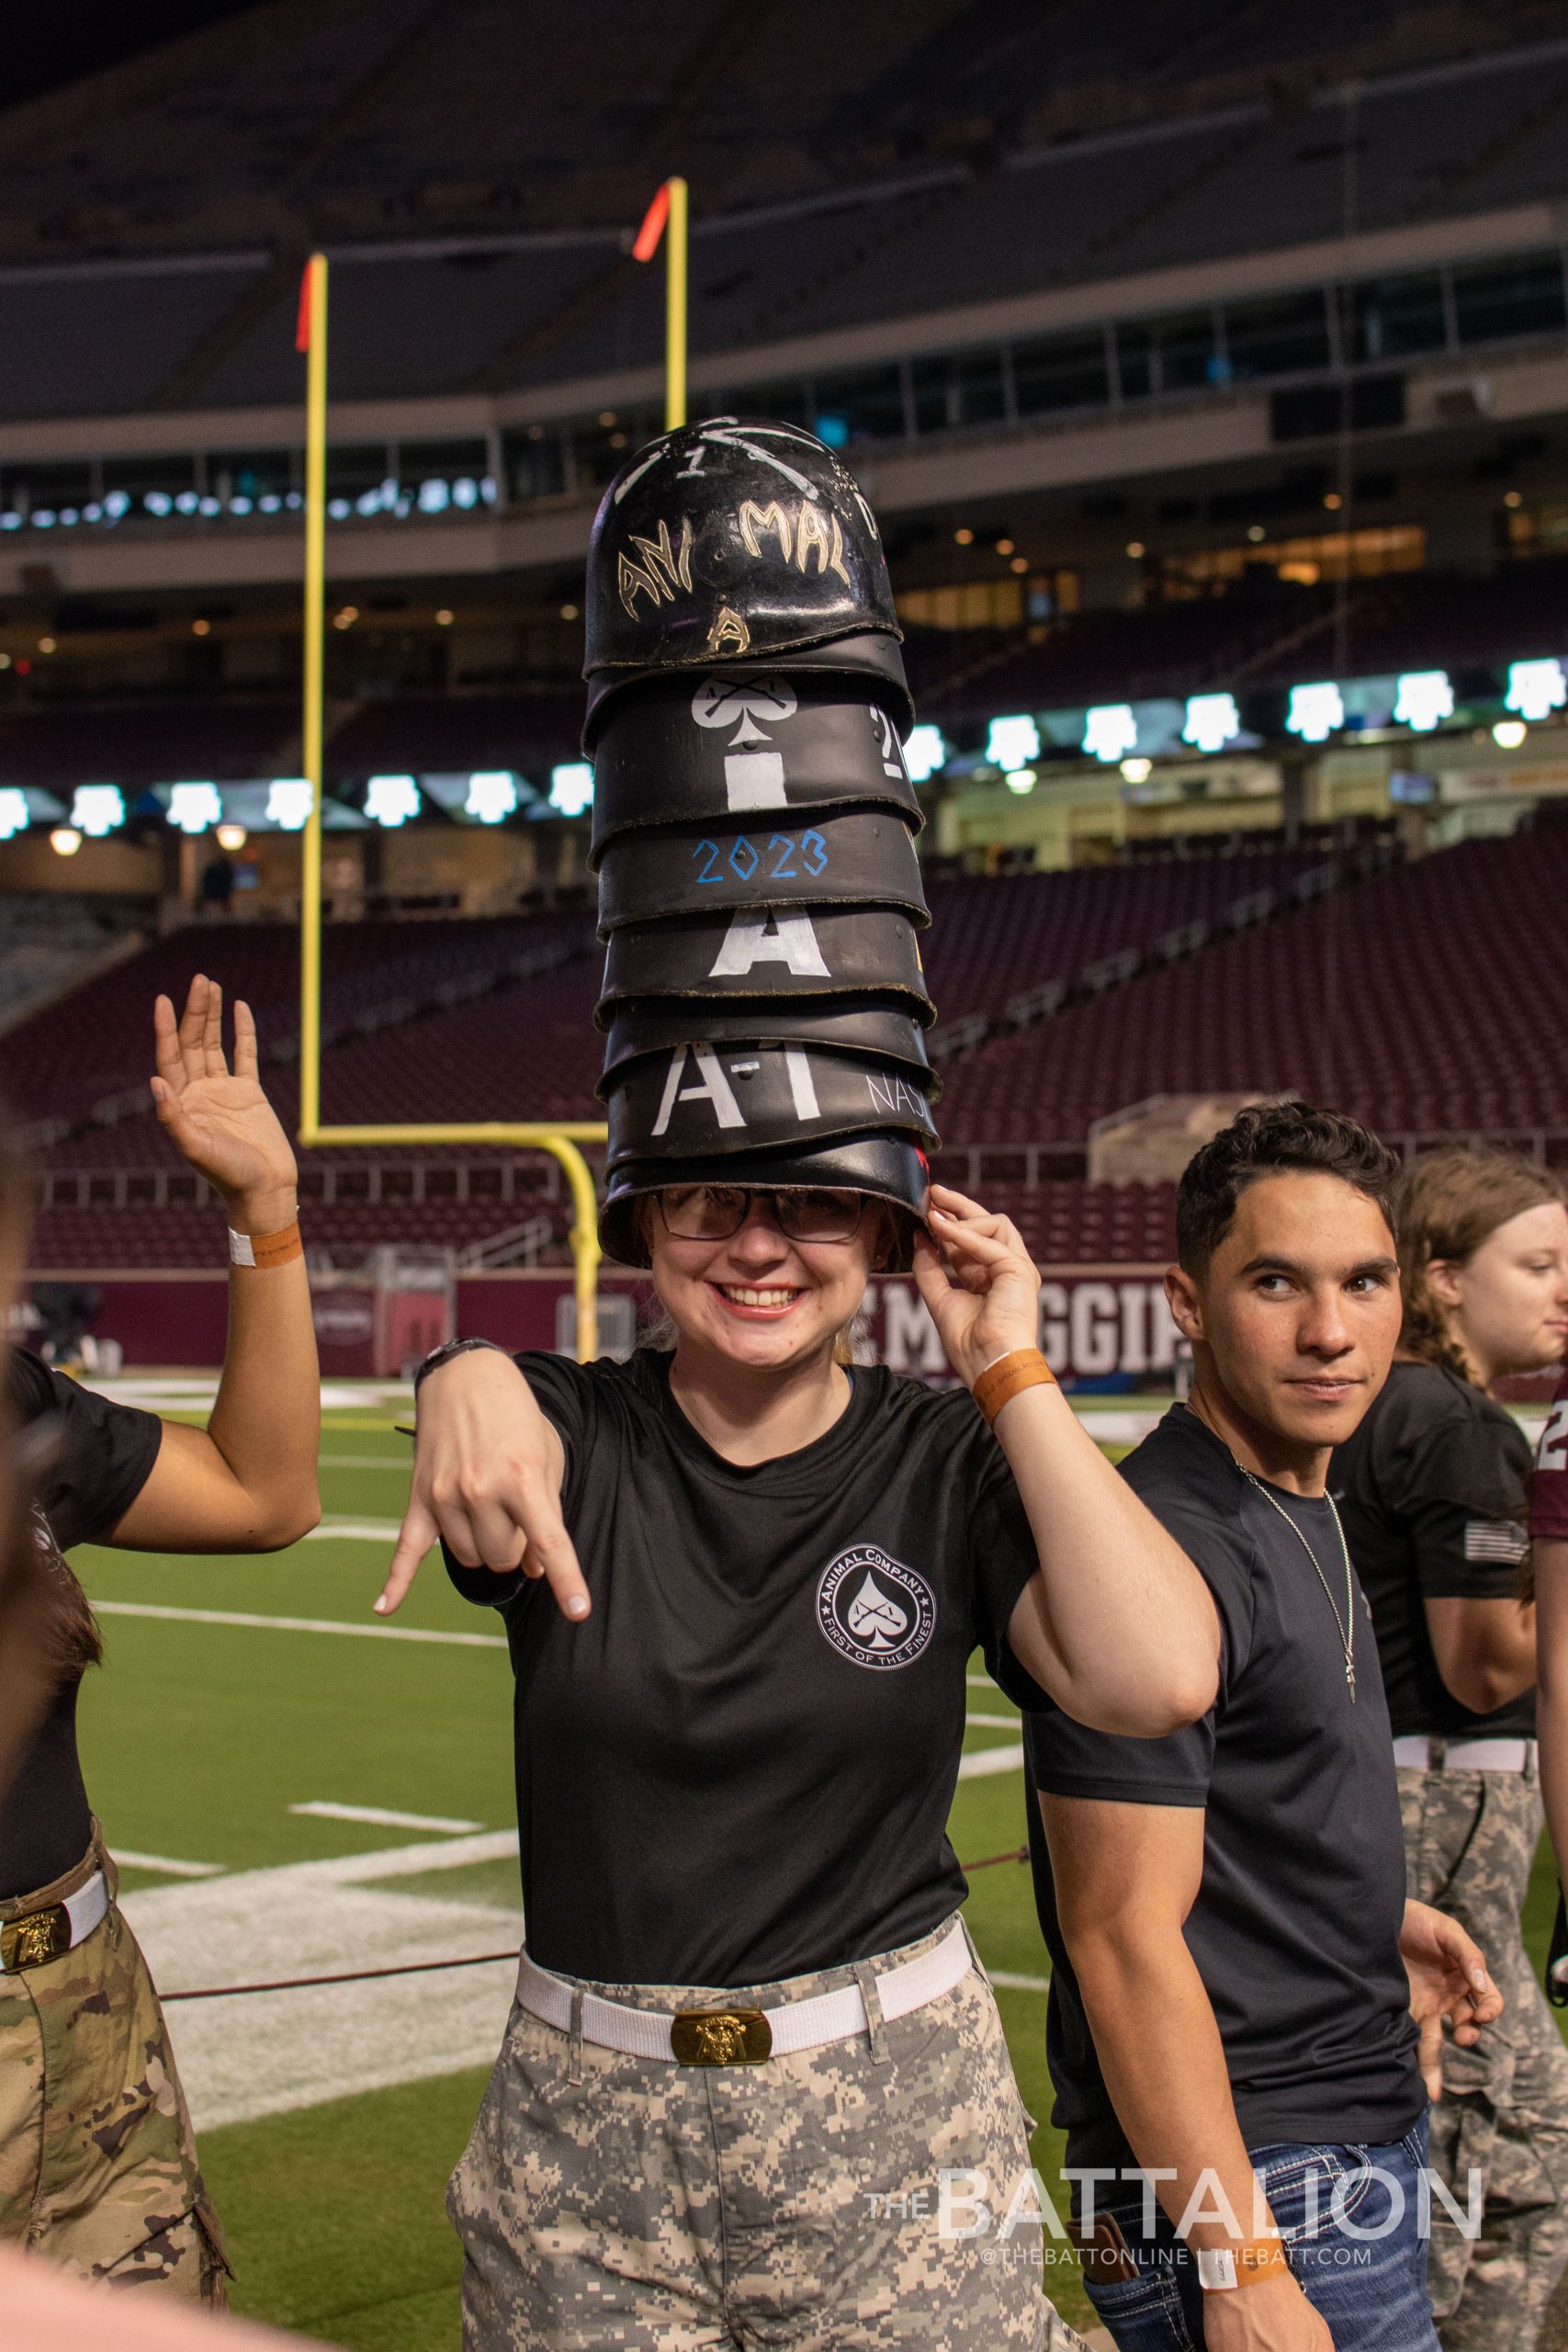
742,1581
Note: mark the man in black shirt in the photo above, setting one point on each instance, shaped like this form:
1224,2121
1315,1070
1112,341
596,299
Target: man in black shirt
1435,1489
1226,1907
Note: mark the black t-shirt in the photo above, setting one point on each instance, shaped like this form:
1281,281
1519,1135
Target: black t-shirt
1295,1927
739,1767
1433,1490
92,1471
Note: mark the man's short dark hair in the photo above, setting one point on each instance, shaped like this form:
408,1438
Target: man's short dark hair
1274,1139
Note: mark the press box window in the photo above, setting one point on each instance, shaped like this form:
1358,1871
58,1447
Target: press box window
1177,354
866,404
1389,318
243,478
43,489
1060,372
1287,336
1497,301
533,460
966,389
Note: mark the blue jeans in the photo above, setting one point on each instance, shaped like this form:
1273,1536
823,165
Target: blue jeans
1362,2263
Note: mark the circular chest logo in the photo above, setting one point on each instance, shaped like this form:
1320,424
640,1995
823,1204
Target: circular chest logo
875,1611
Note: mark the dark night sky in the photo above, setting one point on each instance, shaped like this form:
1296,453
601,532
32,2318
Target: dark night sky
45,48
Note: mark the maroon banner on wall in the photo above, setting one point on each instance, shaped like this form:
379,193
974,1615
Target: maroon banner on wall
1097,1323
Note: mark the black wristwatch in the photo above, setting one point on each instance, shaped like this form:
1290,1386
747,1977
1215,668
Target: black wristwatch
448,1350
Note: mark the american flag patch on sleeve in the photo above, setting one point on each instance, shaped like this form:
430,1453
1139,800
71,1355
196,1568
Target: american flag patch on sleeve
1499,1542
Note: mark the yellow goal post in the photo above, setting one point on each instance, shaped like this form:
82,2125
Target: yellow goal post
561,1137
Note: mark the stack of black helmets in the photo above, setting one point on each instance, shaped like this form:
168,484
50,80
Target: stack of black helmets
754,830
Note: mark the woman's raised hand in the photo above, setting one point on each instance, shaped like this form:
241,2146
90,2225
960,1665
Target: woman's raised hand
220,1118
487,1480
979,1283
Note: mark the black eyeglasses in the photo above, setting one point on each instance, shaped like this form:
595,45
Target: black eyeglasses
715,1212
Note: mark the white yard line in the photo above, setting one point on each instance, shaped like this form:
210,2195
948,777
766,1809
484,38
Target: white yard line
400,1462
995,1722
382,1816
163,1862
267,2053
301,1625
985,1762
410,1861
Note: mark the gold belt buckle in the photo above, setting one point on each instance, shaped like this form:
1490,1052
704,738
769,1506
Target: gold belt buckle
36,1937
720,2038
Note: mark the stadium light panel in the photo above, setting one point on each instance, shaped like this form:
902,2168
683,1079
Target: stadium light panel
1212,721
391,799
96,808
1536,688
434,497
571,787
13,811
1424,699
1110,731
1316,711
288,802
194,807
925,753
1012,742
492,796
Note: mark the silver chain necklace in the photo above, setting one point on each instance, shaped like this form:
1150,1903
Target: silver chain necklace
1346,1632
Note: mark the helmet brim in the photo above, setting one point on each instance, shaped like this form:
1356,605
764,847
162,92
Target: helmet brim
886,1167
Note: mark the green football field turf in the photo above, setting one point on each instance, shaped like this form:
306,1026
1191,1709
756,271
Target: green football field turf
198,1740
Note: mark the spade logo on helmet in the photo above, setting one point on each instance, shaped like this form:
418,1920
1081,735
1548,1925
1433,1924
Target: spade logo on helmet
743,704
752,779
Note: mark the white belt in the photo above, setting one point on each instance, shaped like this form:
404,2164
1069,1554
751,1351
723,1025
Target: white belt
58,1928
743,2036
1421,1755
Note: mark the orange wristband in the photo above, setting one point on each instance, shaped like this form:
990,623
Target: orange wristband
1221,2270
1008,1377
263,1249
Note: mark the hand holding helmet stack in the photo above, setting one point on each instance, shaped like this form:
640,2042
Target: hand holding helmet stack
754,830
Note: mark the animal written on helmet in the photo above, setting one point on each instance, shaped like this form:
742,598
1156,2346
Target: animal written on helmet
731,541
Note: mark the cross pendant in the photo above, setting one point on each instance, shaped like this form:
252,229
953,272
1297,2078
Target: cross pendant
1351,1678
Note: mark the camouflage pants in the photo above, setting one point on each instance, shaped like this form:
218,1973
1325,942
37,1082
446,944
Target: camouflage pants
98,2163
1470,1840
605,2201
